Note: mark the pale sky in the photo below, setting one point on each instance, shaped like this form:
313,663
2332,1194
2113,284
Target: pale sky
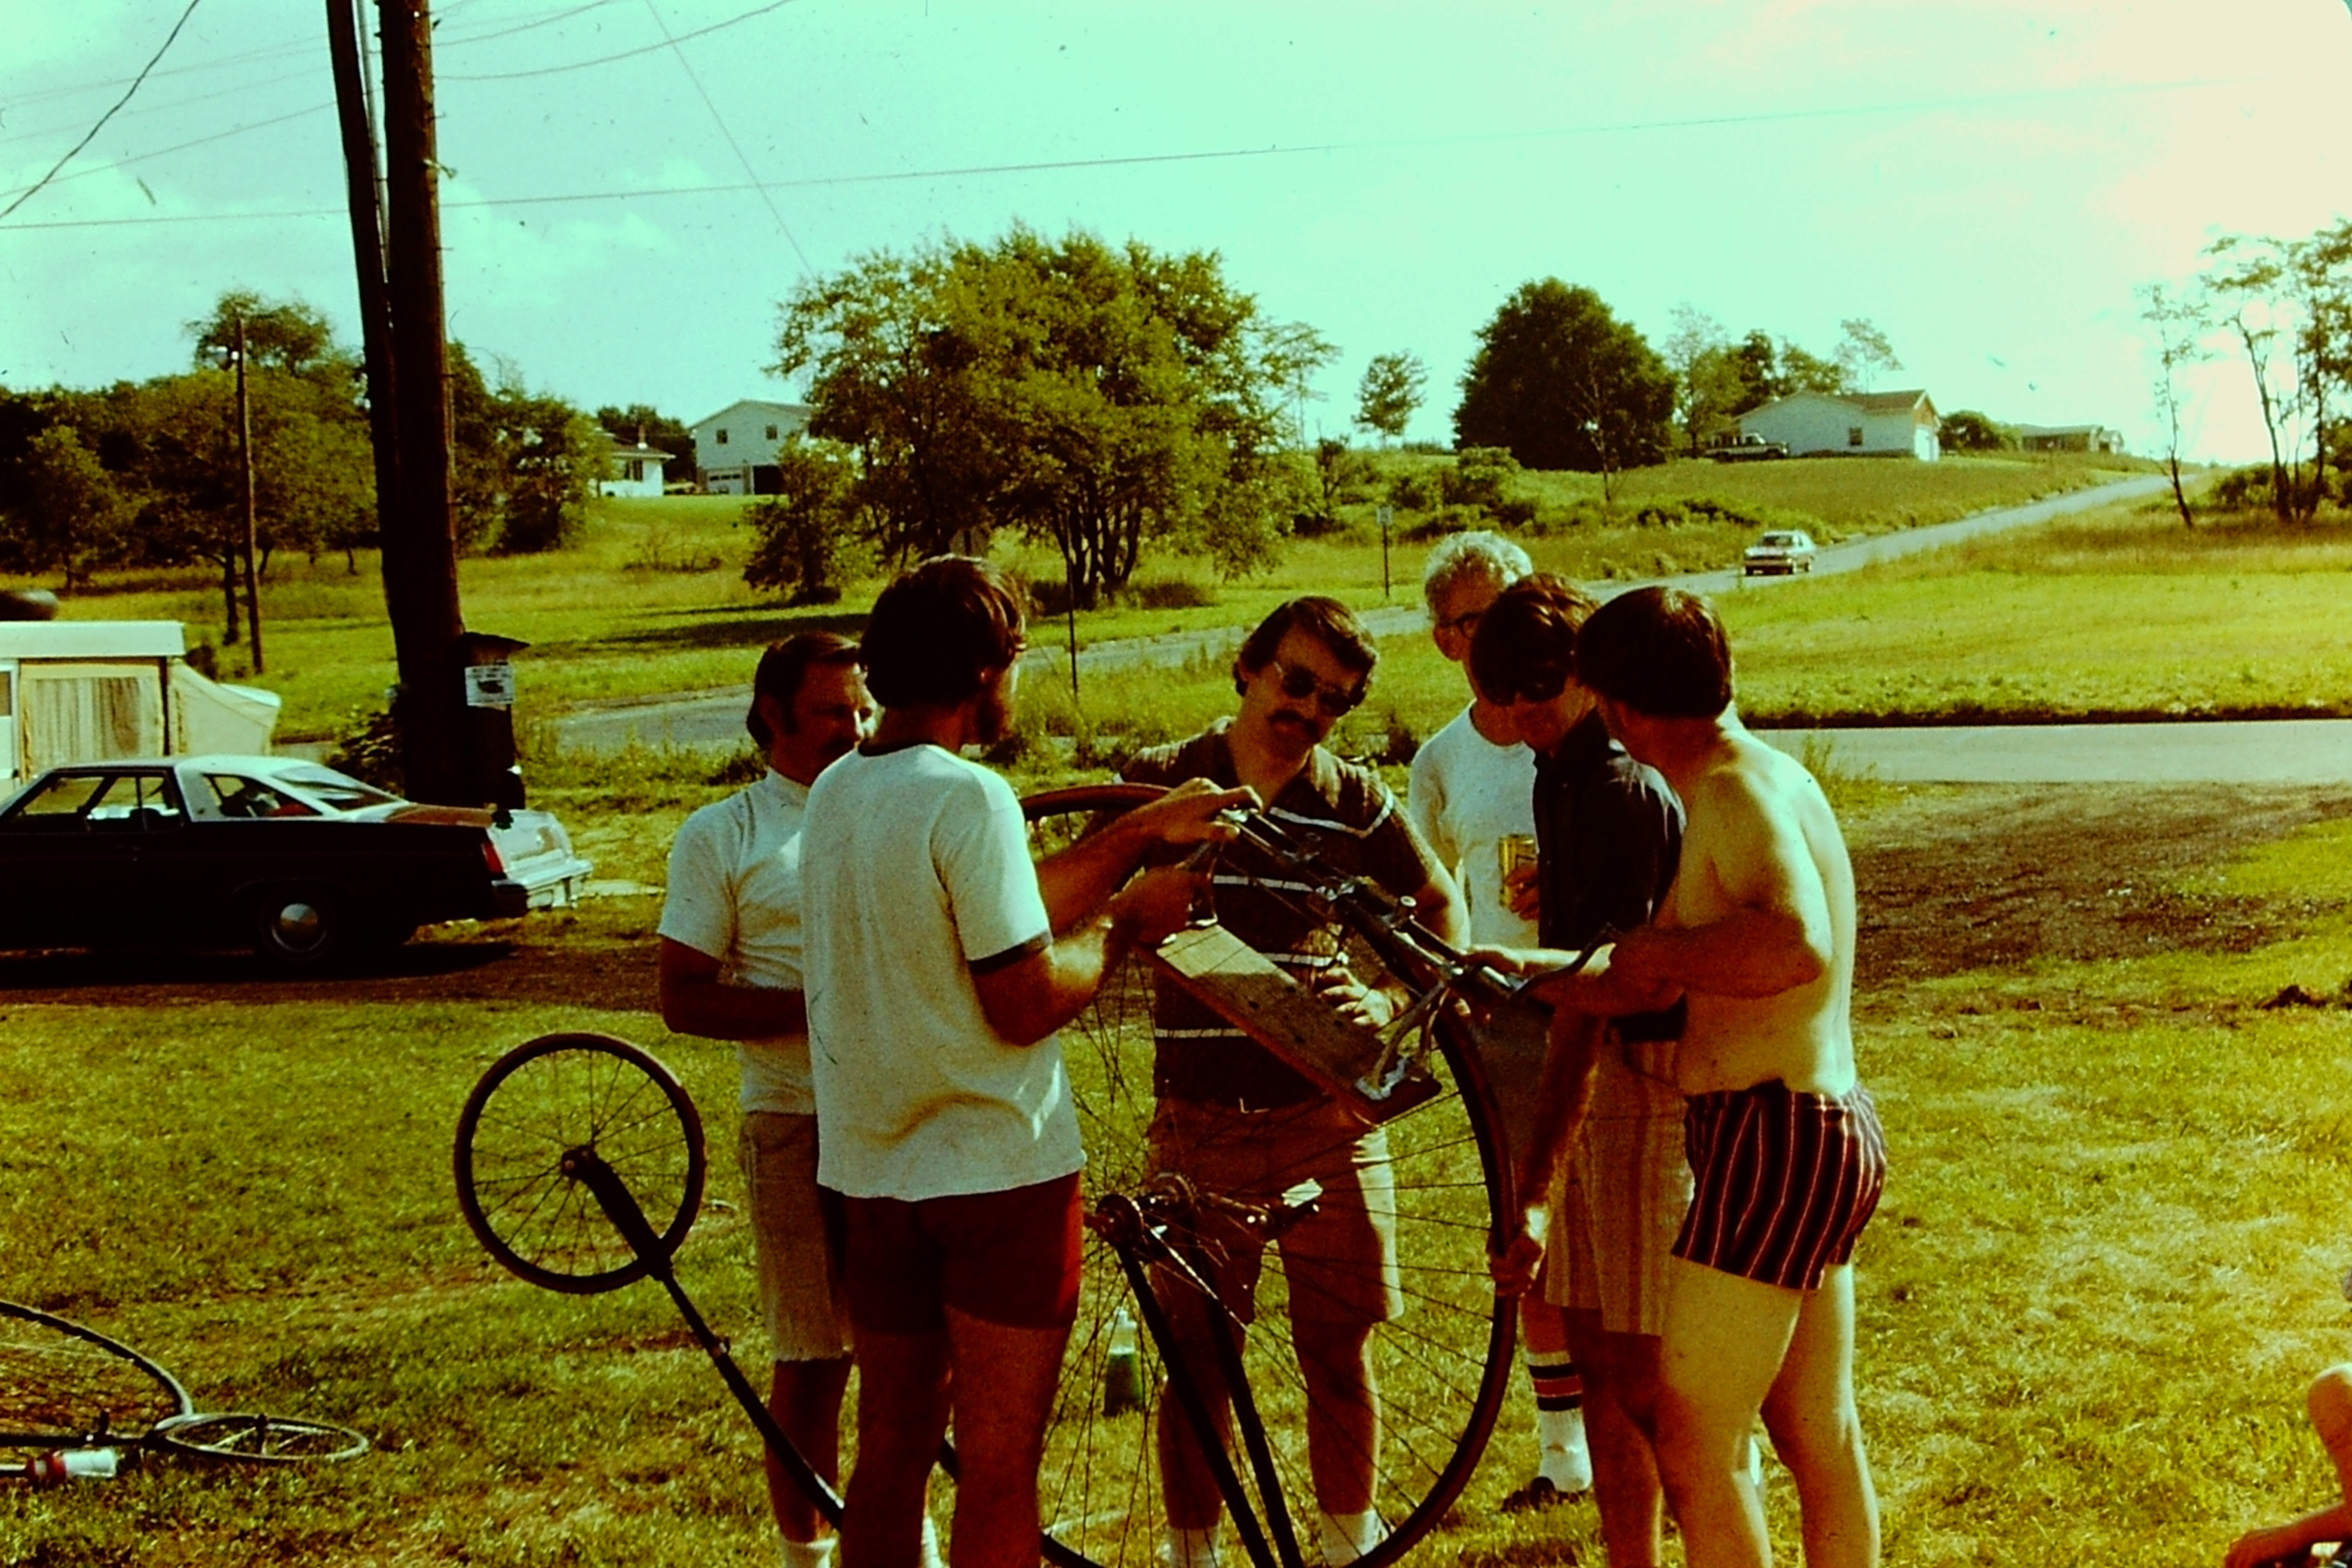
1987,182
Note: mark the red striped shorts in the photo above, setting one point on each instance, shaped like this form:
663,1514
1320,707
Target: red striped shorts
1783,1182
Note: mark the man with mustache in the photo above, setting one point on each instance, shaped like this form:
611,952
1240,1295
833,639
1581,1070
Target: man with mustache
1240,1122
731,970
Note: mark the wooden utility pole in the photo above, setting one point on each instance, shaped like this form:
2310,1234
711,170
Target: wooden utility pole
420,552
362,171
252,530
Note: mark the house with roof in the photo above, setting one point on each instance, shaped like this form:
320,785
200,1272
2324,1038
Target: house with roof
735,448
1850,423
2068,438
631,469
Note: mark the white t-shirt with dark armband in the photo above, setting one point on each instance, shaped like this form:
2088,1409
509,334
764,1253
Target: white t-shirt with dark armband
734,894
915,874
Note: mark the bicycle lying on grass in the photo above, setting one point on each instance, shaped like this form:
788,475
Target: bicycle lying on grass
579,1166
70,1390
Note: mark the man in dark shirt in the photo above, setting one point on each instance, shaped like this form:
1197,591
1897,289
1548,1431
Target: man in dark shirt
1237,1121
1607,1159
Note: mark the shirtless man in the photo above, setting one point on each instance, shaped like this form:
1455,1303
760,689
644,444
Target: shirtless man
1784,1145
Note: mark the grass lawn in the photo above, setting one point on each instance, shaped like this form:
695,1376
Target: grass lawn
2105,1264
650,599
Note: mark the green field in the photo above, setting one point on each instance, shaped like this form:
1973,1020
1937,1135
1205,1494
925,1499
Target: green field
651,600
2105,1264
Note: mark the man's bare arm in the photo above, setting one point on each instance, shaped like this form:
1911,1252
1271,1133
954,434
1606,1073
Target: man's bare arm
694,1002
1027,1001
1777,933
1563,1094
1077,881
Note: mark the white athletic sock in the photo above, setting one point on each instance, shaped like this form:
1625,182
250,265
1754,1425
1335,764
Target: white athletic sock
1191,1548
931,1558
1562,1430
1348,1536
809,1553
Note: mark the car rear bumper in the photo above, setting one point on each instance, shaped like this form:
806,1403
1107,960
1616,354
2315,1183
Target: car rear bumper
509,900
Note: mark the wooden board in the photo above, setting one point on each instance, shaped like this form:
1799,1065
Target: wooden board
1255,995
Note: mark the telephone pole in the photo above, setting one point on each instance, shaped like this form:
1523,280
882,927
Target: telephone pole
252,535
420,555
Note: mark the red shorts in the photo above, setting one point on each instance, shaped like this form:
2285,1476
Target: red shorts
1008,1257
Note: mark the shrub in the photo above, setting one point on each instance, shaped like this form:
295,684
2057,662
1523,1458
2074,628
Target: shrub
1477,477
1416,490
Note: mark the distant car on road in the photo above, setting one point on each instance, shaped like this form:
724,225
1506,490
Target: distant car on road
295,860
1748,449
1779,551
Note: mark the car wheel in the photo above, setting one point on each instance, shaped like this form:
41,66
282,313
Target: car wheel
1805,566
297,926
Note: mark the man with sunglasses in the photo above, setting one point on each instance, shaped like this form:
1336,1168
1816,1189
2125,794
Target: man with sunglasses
1609,830
1237,1121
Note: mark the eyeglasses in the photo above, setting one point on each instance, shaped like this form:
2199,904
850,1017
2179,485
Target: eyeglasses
1464,623
1300,684
1538,686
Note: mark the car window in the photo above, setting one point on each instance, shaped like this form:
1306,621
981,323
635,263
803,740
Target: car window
336,792
63,795
239,796
135,801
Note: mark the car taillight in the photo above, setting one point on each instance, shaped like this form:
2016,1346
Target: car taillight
490,859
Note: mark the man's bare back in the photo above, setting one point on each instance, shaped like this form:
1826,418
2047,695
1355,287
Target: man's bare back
1763,865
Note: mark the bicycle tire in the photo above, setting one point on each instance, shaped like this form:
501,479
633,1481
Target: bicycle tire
63,1385
248,1438
547,1100
1443,1365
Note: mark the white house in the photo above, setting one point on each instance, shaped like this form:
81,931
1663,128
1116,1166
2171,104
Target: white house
1851,423
735,448
632,469
2069,438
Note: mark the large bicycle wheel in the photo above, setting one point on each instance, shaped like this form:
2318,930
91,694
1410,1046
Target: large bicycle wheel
258,1439
538,1110
1441,1366
63,1385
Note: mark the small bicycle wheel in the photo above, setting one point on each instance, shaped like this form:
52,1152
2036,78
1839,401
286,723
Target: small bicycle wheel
63,1385
542,1106
1441,1366
258,1439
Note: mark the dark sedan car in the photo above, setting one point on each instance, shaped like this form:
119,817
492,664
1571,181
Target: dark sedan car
120,854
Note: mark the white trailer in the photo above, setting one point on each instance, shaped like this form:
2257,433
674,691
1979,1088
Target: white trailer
84,691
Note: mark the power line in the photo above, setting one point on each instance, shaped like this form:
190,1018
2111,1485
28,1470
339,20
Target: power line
626,54
978,170
170,104
162,152
103,118
767,199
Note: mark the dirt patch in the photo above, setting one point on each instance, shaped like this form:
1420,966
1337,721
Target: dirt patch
1995,875
1949,880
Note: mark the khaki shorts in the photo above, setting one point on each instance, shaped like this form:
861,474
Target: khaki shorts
1613,1224
1339,1263
796,1232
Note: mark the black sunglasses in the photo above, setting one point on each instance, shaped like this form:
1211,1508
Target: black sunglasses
1541,686
1300,684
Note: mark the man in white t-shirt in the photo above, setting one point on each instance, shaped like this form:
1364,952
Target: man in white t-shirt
1473,789
940,962
731,970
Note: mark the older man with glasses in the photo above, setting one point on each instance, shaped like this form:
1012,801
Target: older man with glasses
1237,1121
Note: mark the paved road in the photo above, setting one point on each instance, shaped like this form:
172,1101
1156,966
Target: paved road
715,718
2285,750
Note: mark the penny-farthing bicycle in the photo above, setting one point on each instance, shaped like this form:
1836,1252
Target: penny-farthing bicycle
579,1166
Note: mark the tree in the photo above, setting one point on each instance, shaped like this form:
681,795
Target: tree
289,336
799,532
1966,430
72,512
2246,282
1801,371
1390,391
1291,353
2179,323
642,422
2321,270
523,466
1863,352
1708,388
1561,382
1091,397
